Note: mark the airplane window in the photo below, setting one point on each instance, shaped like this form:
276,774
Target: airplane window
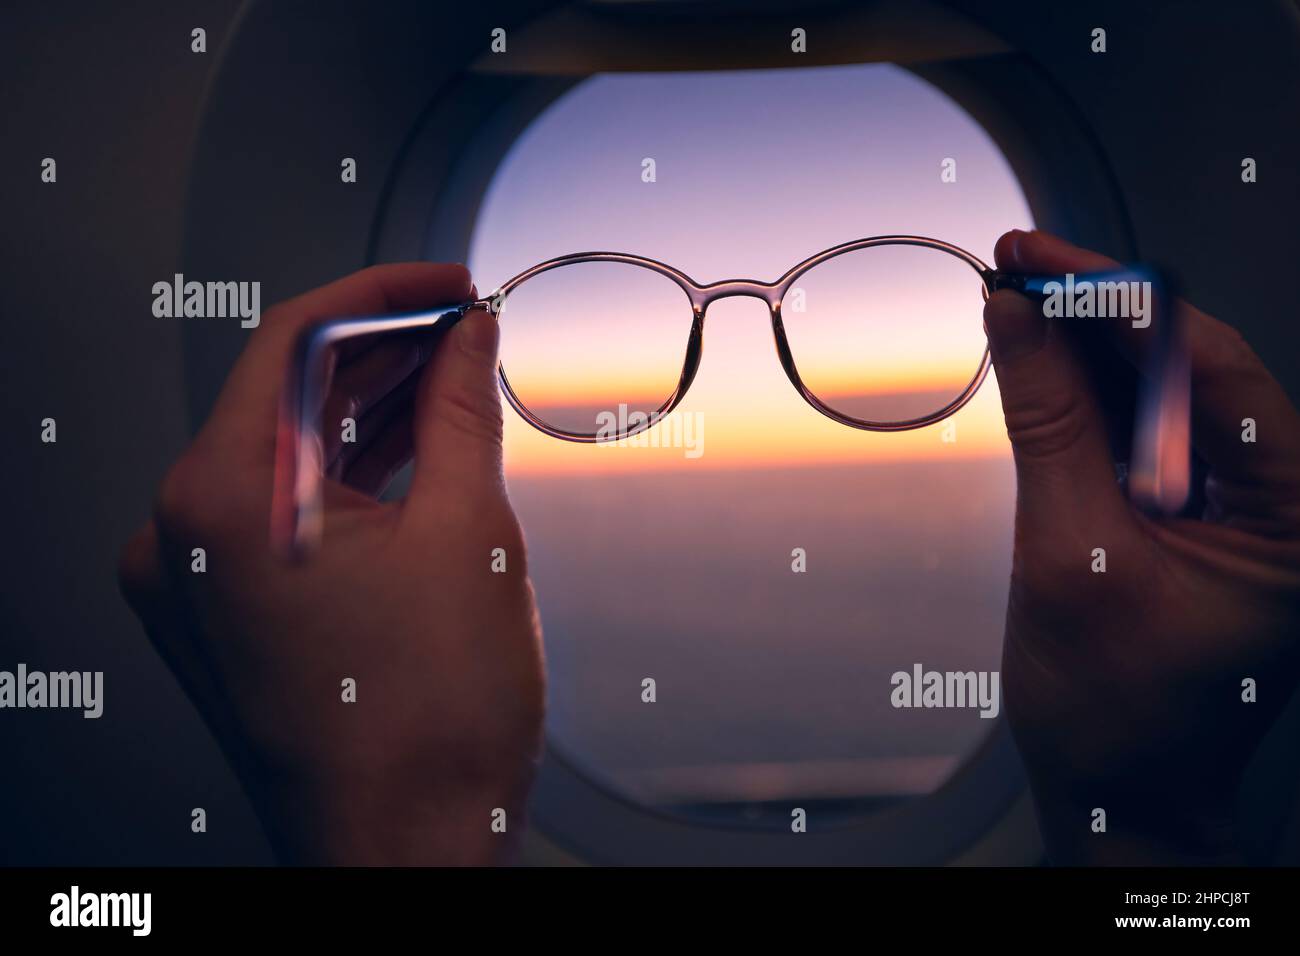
677,564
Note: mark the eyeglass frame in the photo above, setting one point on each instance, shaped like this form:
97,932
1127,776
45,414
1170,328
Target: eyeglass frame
701,296
1162,417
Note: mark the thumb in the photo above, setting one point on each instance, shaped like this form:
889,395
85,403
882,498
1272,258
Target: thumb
457,429
1064,472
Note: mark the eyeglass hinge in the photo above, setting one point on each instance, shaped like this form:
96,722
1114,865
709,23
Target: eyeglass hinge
1004,280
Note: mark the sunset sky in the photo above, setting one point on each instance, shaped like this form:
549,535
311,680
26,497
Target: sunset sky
787,164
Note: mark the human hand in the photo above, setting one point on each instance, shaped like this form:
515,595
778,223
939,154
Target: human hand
1124,689
401,597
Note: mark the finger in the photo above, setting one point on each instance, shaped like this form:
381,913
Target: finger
1230,384
243,422
1064,472
458,416
1109,371
362,386
1042,252
139,570
146,584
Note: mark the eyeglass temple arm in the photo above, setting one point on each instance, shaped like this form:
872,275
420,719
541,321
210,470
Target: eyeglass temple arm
296,505
1036,285
1159,476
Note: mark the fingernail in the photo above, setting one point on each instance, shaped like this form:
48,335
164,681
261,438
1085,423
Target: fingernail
1017,235
477,335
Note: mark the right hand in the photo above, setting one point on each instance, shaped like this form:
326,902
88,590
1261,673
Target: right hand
1124,689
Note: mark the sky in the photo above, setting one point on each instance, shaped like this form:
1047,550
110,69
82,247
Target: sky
653,561
755,172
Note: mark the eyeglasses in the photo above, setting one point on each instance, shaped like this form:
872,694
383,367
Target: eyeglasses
883,334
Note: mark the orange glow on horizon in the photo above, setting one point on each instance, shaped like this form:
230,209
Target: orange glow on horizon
562,388
782,432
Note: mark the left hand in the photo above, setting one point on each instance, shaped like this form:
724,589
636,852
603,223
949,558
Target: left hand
446,728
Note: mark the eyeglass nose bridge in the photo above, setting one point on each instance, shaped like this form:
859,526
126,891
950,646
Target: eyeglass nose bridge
703,295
